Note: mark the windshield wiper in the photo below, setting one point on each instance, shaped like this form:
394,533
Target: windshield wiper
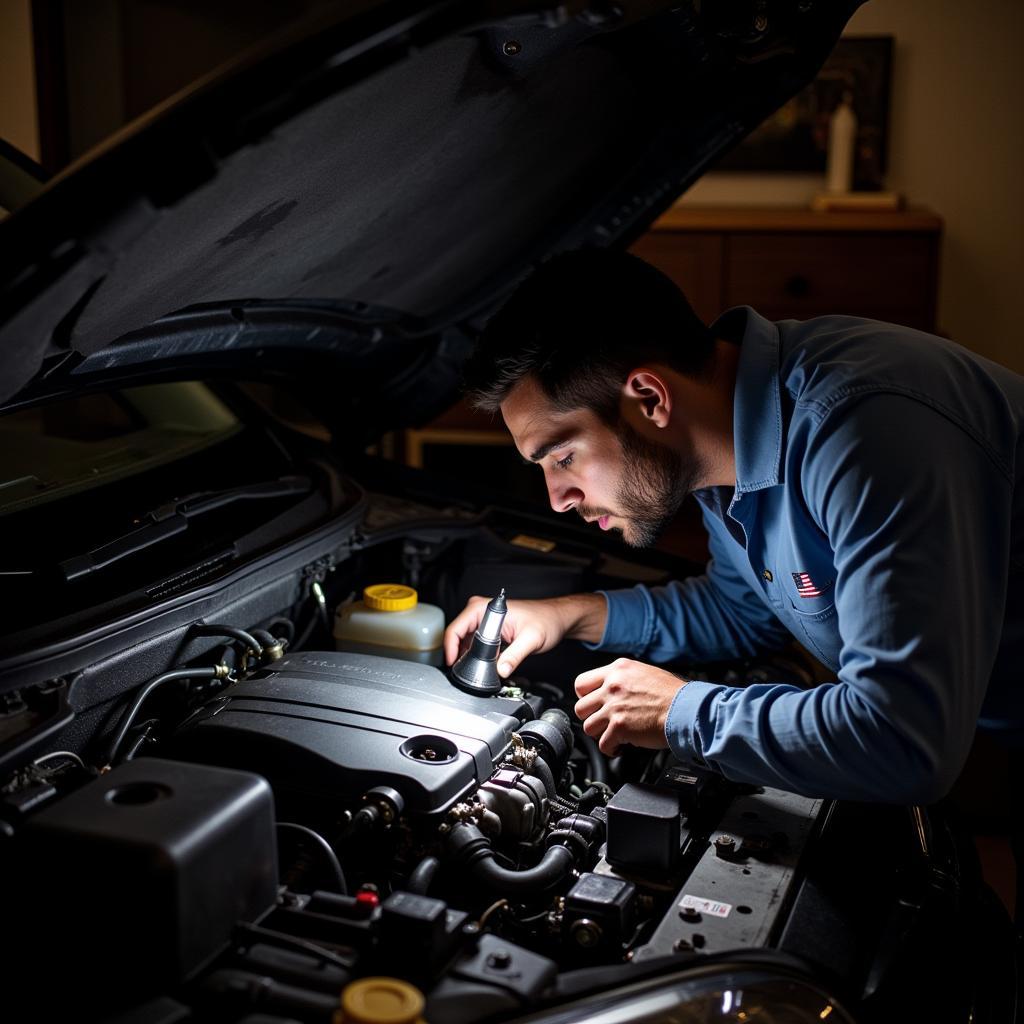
173,518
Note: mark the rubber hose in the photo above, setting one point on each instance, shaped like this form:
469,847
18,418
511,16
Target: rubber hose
543,772
422,876
217,629
265,637
325,848
280,620
471,847
590,798
554,868
598,765
143,694
561,721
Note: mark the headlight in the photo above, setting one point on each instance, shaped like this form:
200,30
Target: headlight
705,995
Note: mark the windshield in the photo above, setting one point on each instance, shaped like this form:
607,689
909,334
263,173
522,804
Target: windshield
81,443
113,500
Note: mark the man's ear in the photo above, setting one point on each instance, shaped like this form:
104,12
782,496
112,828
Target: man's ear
649,392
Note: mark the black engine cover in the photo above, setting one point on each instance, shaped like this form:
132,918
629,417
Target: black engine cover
335,723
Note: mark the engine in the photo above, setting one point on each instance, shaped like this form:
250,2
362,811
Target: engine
341,725
318,819
395,764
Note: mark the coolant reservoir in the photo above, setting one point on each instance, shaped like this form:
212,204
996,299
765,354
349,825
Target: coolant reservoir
391,621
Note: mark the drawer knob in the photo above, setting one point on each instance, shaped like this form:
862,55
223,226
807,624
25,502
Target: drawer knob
797,286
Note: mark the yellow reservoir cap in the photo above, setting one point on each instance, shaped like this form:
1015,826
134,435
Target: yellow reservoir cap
390,597
380,1001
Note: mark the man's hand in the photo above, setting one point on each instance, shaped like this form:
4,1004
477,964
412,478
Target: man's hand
530,626
626,702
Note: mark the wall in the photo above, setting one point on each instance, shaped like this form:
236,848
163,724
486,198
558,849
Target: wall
17,78
955,145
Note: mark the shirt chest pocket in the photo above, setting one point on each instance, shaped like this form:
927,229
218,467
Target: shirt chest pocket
808,578
807,597
808,585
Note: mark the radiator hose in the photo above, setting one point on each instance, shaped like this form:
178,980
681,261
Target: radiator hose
472,850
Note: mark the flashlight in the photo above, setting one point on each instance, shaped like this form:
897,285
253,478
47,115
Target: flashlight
477,670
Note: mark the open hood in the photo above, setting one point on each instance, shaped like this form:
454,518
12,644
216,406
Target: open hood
351,205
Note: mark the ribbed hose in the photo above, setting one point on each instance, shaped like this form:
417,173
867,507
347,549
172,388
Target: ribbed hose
469,846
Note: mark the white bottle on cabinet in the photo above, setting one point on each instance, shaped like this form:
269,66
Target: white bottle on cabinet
842,138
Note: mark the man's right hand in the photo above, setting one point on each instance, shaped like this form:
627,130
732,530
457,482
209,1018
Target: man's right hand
530,627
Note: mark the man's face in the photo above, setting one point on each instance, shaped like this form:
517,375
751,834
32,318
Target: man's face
610,475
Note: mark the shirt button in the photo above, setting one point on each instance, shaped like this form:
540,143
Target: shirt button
767,574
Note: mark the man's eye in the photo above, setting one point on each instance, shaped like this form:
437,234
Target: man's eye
564,463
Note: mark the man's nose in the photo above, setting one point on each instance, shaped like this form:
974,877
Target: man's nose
562,496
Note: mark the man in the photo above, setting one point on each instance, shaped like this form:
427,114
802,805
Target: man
859,484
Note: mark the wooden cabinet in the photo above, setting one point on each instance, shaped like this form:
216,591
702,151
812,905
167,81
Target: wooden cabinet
801,263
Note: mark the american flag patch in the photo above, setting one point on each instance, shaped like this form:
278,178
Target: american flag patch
806,587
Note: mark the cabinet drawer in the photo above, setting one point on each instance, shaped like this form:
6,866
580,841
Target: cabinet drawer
886,276
693,261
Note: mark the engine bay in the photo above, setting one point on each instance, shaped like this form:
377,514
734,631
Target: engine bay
216,811
323,816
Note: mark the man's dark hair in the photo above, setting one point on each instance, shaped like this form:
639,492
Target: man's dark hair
578,324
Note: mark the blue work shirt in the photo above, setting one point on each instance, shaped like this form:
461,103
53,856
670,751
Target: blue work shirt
877,518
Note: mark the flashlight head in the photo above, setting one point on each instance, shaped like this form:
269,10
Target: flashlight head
477,670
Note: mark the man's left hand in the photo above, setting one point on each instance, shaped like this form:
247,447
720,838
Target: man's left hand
626,702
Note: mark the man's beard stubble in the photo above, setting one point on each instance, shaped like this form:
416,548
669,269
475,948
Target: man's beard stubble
655,481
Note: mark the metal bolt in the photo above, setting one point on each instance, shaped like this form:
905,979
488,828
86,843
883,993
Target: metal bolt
512,48
500,959
725,846
681,946
691,914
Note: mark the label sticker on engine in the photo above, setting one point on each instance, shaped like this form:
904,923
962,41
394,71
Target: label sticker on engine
712,907
524,540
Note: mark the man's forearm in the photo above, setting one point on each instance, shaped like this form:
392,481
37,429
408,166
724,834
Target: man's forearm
584,616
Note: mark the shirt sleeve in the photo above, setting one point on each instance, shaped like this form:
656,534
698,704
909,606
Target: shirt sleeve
918,514
704,618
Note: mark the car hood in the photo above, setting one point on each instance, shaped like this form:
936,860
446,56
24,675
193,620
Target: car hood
350,205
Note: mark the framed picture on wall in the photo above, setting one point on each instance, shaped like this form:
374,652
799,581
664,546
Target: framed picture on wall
795,138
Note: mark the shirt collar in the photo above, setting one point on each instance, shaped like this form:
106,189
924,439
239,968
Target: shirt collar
757,405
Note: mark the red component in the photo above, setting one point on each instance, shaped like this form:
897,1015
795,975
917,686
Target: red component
368,898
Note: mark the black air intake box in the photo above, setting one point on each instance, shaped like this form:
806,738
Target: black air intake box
140,876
